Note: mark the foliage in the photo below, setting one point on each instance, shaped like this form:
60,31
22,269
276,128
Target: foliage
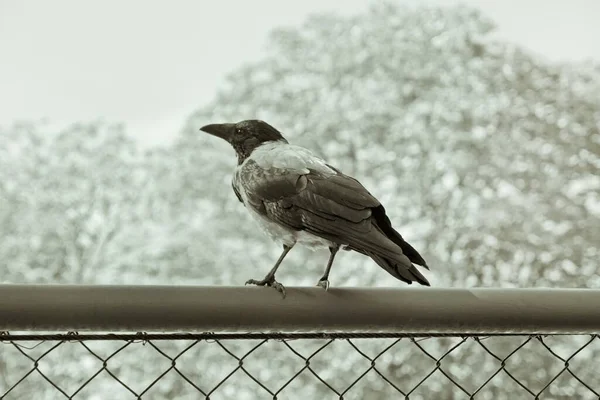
485,157
476,148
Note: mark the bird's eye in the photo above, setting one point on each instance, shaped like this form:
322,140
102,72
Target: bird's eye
238,130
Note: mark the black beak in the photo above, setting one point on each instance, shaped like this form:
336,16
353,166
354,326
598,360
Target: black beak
224,131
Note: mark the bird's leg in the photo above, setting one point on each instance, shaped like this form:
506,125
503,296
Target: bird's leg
269,279
324,281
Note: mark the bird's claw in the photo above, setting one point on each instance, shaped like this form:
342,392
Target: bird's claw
256,282
271,282
279,287
324,284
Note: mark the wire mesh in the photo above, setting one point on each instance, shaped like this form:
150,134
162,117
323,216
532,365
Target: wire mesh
290,366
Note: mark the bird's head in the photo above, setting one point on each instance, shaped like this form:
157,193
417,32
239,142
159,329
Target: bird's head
245,136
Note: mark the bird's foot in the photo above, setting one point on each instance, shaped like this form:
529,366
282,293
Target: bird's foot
324,283
268,281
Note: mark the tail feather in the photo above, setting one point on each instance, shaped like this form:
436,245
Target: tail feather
384,223
400,271
410,251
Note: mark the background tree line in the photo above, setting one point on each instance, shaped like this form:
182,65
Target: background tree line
485,155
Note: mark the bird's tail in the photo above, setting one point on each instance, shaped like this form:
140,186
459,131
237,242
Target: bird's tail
399,270
384,223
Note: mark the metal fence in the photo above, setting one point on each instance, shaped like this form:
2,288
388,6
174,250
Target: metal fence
417,344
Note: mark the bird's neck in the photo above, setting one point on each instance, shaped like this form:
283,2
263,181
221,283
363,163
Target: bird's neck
246,150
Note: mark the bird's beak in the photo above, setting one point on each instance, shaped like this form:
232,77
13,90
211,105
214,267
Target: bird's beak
224,131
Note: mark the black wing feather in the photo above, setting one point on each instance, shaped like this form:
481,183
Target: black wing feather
337,208
237,194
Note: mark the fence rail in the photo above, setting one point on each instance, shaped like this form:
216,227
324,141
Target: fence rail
158,343
252,309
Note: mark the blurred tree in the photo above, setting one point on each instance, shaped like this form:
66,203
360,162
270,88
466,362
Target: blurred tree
476,148
72,203
485,156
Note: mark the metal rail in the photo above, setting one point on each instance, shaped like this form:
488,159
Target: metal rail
305,309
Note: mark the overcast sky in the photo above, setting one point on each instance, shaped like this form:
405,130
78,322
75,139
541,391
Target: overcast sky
149,63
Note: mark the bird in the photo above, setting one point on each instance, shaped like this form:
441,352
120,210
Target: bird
297,197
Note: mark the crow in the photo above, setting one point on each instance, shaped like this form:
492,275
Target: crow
297,197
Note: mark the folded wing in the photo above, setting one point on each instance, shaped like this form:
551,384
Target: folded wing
335,207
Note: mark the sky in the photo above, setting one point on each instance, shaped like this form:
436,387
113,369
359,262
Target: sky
149,64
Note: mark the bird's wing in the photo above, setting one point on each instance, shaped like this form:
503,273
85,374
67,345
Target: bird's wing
337,208
236,191
332,205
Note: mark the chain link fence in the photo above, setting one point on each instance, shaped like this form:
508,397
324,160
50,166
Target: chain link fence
297,366
358,343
